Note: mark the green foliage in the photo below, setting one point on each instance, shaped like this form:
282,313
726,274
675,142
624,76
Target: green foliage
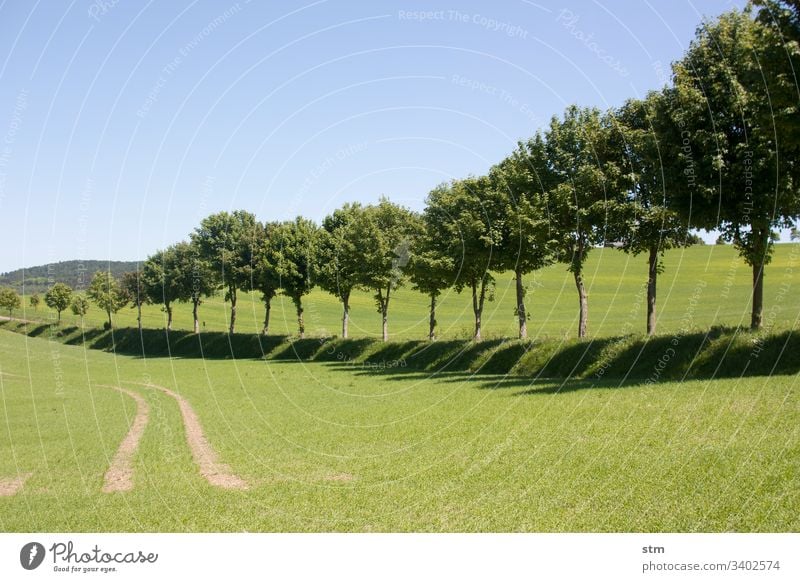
35,300
9,299
58,297
105,292
228,243
40,278
79,306
292,252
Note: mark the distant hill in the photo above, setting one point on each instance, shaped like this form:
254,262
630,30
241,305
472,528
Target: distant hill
39,279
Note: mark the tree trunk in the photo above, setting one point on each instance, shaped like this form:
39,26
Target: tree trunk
758,295
385,314
58,321
195,304
139,315
301,326
583,314
110,323
432,321
477,306
521,313
232,293
169,316
267,309
652,277
345,314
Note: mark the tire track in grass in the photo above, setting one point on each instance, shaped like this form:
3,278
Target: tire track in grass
119,476
11,485
214,471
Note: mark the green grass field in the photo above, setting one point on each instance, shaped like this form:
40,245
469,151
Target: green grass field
702,286
332,447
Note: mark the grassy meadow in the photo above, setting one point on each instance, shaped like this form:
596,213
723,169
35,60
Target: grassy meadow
331,447
571,436
702,286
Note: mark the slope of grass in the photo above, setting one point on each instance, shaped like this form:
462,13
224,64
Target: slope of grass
328,446
702,286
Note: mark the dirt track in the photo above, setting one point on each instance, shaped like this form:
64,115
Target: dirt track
119,476
211,468
10,485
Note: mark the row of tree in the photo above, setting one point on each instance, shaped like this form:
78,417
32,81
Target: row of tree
717,149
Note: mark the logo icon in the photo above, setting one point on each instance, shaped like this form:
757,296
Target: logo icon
31,555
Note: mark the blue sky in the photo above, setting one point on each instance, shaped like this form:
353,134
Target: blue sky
123,123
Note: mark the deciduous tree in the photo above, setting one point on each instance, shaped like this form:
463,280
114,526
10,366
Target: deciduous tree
58,297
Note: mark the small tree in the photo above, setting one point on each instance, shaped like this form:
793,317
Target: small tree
644,221
191,277
429,271
467,230
79,306
106,293
340,256
133,287
266,278
521,182
385,231
161,280
578,150
293,252
58,297
9,299
35,301
228,242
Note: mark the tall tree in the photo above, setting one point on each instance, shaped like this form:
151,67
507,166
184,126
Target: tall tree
58,297
228,242
529,241
35,301
385,231
644,221
132,285
578,149
105,291
9,299
266,278
292,251
737,177
468,229
340,256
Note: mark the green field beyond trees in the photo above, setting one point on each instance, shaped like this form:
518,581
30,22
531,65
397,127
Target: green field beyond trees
702,286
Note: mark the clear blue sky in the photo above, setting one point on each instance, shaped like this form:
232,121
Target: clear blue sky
123,123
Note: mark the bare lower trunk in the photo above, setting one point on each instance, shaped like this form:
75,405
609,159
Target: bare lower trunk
583,314
232,293
139,315
652,276
432,320
169,317
383,301
478,297
345,315
195,305
521,313
110,323
758,296
267,309
301,325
